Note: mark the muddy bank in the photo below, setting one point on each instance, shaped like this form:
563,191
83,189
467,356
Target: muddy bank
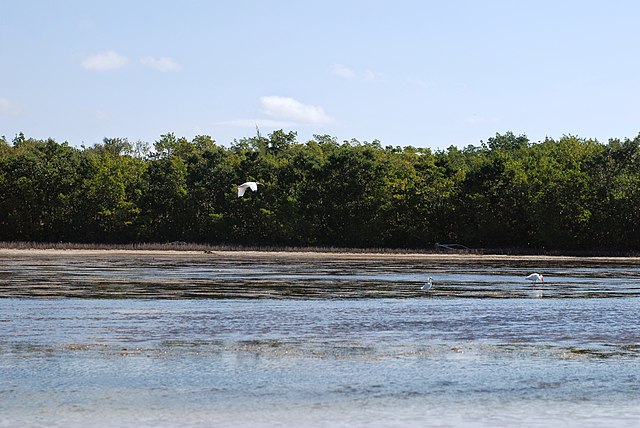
249,255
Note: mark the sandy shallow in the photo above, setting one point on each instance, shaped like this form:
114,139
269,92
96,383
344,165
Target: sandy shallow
302,255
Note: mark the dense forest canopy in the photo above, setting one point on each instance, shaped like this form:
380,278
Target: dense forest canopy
507,192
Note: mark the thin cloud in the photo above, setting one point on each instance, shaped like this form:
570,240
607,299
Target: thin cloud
348,73
479,120
161,64
417,82
474,120
372,76
342,71
86,24
289,109
105,61
102,115
252,123
8,107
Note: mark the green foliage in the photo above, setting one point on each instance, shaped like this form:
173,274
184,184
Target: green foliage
112,193
566,194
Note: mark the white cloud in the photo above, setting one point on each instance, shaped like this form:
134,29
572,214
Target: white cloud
288,109
8,107
161,64
342,71
105,61
283,112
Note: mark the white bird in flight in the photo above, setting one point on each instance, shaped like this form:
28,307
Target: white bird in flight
428,285
535,277
248,185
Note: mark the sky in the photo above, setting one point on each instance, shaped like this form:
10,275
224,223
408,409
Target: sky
429,74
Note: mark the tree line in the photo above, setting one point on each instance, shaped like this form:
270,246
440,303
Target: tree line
506,192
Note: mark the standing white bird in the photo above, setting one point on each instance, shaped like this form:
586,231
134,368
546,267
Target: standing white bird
535,277
428,285
248,185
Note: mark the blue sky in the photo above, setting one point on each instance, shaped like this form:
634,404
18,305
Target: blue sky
422,73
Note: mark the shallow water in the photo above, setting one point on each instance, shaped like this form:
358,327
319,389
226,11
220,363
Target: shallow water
206,341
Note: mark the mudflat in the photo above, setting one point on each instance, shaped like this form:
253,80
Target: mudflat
301,255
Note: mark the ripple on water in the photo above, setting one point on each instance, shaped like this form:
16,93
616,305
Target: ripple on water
198,342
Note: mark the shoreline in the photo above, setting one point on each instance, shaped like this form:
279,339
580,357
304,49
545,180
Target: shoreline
301,255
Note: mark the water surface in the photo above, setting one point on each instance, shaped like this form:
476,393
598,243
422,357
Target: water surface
215,341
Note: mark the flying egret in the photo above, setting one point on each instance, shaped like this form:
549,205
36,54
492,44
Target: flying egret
428,285
535,277
248,185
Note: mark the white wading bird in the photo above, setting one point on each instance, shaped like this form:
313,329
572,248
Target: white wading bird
248,185
535,277
428,285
